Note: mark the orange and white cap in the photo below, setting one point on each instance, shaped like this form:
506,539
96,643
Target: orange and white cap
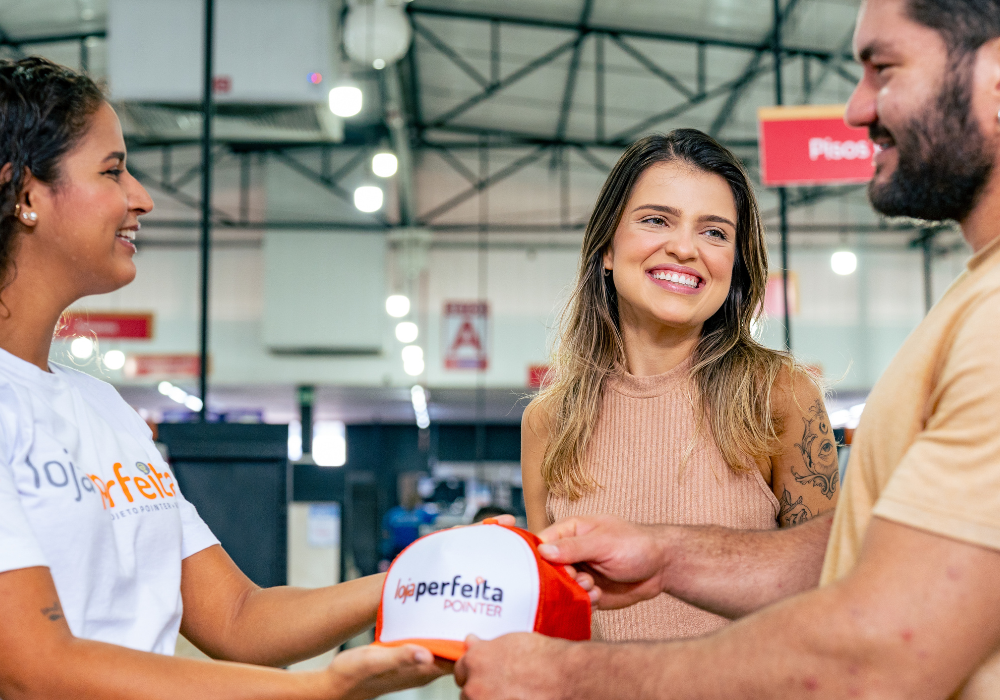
487,580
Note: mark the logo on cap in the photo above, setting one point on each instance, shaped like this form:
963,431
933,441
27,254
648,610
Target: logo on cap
486,580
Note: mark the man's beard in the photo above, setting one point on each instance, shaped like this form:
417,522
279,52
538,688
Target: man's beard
943,160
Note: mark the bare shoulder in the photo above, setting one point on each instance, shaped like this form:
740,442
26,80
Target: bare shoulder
795,393
536,422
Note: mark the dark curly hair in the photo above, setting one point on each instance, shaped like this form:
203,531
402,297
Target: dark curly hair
965,25
45,109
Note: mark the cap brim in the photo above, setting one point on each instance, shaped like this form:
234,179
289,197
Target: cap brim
442,648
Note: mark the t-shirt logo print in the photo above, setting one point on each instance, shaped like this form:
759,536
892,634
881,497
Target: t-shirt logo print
157,486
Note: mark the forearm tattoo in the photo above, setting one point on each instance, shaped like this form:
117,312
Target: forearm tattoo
819,452
792,513
55,612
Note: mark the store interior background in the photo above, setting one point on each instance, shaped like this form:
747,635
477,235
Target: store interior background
505,120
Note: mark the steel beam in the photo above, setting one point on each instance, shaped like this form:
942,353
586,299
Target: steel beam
174,193
51,38
676,37
494,52
467,227
773,45
451,54
626,136
593,160
573,71
739,88
829,65
411,74
5,40
647,63
599,89
569,88
399,132
458,166
328,183
494,88
207,112
483,184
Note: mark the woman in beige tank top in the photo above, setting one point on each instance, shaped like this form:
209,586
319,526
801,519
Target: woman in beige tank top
662,407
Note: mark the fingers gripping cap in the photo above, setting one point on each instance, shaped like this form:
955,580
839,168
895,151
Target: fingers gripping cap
487,580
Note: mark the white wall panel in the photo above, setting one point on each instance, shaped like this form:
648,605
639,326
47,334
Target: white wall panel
851,326
323,291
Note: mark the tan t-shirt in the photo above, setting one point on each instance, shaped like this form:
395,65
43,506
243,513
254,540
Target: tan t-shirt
927,451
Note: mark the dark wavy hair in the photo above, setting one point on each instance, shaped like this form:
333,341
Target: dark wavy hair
732,373
965,25
45,109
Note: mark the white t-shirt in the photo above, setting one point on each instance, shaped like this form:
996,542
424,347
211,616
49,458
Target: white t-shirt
84,491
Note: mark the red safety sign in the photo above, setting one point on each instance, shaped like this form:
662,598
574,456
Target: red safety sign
163,366
121,326
811,145
774,295
465,334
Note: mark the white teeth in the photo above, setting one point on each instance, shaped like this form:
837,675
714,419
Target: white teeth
676,278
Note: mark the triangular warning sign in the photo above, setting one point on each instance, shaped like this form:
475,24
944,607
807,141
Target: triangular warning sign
466,336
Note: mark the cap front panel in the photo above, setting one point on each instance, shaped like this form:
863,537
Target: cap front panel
480,580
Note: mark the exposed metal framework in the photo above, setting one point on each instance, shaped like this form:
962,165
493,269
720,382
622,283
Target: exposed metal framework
446,136
692,96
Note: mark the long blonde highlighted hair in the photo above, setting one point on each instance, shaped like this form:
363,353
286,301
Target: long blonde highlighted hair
732,373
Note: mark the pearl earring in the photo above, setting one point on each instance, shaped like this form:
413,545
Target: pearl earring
31,216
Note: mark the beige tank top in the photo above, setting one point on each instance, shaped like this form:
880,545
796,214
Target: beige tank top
645,427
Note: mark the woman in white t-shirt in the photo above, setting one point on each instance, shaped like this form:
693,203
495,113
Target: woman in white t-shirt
102,560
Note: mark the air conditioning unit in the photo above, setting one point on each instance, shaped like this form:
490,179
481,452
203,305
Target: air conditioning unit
266,52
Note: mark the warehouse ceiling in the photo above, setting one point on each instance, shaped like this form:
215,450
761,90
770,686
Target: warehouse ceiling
515,113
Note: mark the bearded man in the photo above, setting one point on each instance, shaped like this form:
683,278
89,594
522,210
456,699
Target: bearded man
908,603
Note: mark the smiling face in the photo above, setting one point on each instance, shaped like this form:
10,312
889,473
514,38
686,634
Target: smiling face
673,251
85,223
919,105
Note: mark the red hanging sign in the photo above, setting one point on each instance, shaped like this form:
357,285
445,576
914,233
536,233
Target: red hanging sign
465,329
774,295
539,376
121,326
811,145
163,366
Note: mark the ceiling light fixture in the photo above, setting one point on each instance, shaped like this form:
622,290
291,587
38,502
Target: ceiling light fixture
413,360
114,359
368,198
178,395
82,348
418,397
844,262
397,305
384,164
346,100
407,332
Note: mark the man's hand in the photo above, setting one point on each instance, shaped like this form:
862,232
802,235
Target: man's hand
585,580
514,667
367,672
627,561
